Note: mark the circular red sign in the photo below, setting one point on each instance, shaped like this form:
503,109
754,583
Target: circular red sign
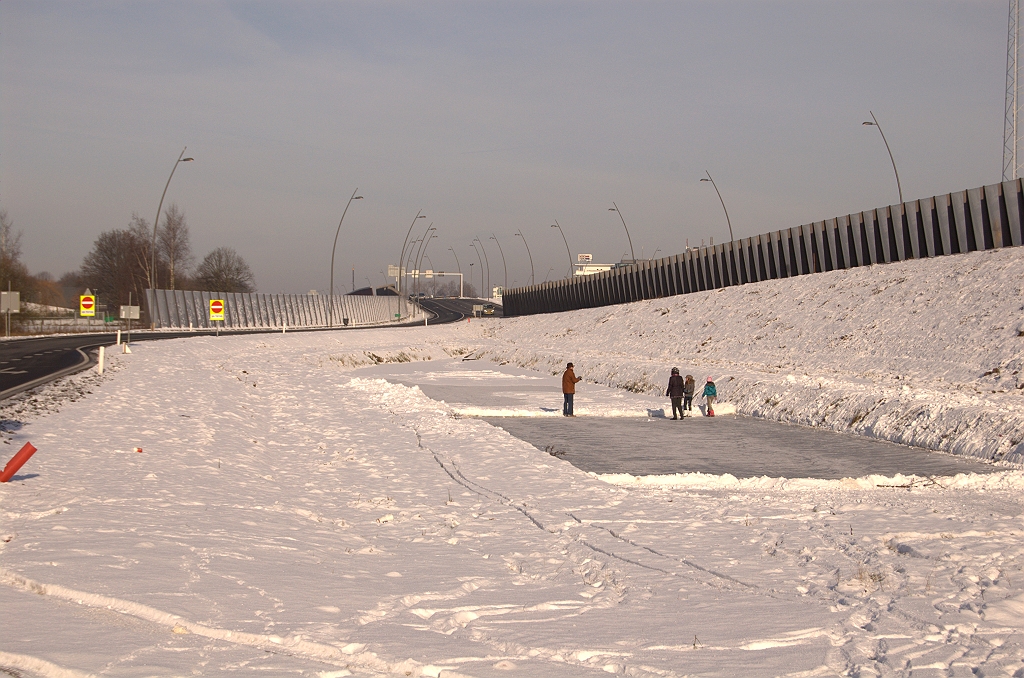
216,307
87,303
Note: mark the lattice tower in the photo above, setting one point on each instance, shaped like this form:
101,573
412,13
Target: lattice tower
1013,154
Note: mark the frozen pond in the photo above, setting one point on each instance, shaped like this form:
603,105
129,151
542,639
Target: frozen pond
621,432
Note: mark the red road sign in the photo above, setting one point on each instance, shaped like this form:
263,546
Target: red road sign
216,309
87,305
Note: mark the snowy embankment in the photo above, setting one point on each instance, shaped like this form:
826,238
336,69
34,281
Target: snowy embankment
234,504
925,353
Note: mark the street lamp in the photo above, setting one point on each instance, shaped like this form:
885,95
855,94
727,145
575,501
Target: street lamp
532,280
408,262
473,245
721,201
401,257
457,264
495,239
160,206
567,252
416,259
874,123
419,263
488,265
452,250
471,273
615,208
330,308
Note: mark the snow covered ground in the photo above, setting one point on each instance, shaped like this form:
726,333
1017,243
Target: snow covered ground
287,515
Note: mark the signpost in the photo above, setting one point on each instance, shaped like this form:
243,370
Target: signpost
10,302
129,313
217,312
87,305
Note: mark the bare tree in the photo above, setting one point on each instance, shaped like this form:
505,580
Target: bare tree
116,266
12,271
224,270
173,243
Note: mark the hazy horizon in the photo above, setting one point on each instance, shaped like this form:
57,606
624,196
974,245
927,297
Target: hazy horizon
490,117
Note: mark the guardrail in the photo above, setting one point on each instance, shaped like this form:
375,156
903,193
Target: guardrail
182,309
954,223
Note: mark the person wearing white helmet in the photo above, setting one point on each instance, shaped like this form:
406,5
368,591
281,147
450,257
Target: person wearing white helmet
675,392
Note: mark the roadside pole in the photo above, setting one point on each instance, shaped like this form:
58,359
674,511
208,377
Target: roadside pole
128,313
11,303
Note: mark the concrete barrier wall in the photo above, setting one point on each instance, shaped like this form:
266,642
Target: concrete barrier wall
955,223
184,309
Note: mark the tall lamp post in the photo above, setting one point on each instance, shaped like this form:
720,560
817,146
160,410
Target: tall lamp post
419,264
457,264
495,239
615,208
874,123
408,261
473,244
729,223
401,257
160,206
487,264
567,252
330,308
532,280
416,259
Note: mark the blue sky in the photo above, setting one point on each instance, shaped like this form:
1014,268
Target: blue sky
489,116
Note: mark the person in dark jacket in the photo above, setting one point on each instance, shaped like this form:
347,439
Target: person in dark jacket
675,392
710,393
569,381
689,386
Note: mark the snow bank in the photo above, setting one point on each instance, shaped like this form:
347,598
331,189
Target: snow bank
281,515
927,353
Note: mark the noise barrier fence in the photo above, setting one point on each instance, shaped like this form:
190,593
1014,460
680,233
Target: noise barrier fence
954,223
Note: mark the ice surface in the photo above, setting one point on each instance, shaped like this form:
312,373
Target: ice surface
622,432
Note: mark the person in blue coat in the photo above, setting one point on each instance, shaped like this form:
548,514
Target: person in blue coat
710,393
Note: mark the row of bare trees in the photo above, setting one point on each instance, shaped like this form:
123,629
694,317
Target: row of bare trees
119,265
122,261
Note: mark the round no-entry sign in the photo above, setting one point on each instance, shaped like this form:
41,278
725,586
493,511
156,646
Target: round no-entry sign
87,305
216,309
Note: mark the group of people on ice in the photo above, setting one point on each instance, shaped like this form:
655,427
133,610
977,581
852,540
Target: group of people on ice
679,390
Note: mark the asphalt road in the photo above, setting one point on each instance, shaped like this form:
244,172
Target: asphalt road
27,363
454,310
